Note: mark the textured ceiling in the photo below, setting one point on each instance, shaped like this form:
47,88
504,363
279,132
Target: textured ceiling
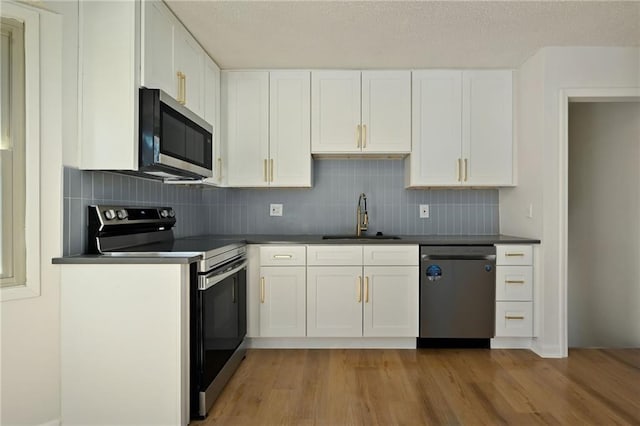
400,34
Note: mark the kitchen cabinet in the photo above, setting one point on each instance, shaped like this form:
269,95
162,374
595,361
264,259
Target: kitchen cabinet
149,49
356,112
172,59
514,291
282,291
375,296
461,129
267,128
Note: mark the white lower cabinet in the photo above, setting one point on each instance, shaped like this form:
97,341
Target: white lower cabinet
334,301
390,301
514,291
282,301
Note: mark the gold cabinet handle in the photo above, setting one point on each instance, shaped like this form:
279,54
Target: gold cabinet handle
282,256
358,136
458,170
514,317
466,169
180,101
514,254
271,170
219,168
264,170
262,290
359,290
514,281
364,135
366,289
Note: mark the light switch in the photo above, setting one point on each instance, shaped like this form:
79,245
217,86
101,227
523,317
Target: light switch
275,210
424,211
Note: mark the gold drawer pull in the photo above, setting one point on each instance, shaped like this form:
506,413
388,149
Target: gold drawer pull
262,290
366,289
514,254
514,317
514,281
359,289
282,256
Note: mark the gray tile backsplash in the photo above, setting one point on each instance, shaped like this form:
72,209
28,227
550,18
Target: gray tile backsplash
327,208
330,206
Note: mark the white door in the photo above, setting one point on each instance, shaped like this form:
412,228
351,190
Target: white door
487,135
158,49
247,122
437,108
335,111
386,111
334,301
190,61
390,301
290,128
282,301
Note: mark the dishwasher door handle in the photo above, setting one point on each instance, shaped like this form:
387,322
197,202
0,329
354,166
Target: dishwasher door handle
490,257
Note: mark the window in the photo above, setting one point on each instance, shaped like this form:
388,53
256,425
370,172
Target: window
12,154
21,103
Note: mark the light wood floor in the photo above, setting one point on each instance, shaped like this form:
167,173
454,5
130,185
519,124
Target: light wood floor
434,387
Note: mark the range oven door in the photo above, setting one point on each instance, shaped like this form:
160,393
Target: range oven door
219,325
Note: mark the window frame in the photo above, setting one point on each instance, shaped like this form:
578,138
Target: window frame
32,107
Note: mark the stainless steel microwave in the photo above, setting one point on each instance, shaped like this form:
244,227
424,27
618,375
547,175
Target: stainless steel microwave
174,142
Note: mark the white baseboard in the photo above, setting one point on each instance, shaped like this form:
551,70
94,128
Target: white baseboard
547,351
331,343
55,422
511,343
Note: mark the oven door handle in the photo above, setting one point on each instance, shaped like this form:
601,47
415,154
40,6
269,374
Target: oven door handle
208,281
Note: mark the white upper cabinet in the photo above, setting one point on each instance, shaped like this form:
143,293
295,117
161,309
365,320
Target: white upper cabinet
246,96
386,112
487,129
356,112
335,112
158,39
289,128
267,130
172,59
462,129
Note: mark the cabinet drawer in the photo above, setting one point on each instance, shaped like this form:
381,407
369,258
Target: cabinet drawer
514,319
514,255
392,255
276,255
514,283
334,255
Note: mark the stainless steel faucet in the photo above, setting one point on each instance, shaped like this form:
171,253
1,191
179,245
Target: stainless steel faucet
362,215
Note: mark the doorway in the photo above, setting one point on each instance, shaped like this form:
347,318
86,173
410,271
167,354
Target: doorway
603,224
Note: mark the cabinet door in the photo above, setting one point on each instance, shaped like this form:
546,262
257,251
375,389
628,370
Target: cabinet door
335,111
437,108
334,301
282,301
157,46
189,58
211,103
390,301
386,111
290,128
487,136
247,127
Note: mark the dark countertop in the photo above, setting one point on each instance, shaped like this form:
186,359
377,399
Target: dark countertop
433,240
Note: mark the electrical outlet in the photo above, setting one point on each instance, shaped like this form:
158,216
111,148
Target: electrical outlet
275,210
424,211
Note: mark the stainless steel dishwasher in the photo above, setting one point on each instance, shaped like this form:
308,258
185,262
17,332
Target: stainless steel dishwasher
457,292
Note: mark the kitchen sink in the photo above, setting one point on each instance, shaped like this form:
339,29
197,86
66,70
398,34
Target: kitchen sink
362,237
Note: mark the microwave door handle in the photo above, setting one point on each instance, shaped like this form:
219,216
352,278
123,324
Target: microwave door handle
214,278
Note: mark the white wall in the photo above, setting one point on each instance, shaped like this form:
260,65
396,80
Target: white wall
562,68
30,365
604,231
